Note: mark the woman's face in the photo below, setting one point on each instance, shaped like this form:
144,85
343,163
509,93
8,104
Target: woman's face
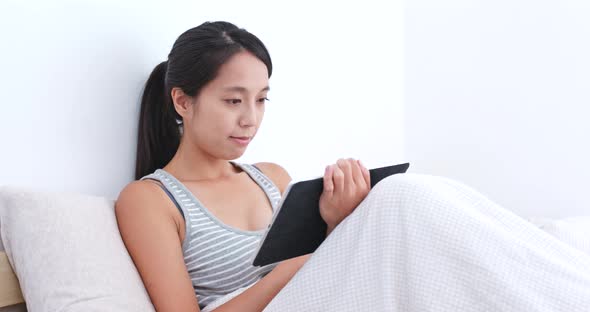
229,107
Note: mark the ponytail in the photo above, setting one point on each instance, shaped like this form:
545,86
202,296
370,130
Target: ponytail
158,135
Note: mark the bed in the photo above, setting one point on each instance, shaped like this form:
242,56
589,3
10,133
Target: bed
72,276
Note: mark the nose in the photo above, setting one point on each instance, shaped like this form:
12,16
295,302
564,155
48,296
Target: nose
249,116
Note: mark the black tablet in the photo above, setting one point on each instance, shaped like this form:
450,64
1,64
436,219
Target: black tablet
297,227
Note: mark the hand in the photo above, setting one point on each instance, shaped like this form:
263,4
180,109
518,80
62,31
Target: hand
346,184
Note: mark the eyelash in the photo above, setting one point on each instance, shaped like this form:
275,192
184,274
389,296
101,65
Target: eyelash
230,101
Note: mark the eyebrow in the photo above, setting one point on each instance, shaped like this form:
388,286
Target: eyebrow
244,90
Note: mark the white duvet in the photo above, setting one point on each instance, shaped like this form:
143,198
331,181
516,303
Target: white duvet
427,243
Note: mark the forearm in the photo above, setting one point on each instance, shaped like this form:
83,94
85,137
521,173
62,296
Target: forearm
257,297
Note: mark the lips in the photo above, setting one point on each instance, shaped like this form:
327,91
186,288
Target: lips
242,141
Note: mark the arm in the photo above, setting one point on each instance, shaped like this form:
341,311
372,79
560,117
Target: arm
151,235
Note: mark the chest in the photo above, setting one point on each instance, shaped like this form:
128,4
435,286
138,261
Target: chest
240,203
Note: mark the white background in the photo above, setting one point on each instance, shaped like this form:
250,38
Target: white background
73,74
497,95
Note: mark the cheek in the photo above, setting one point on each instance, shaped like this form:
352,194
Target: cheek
214,126
261,113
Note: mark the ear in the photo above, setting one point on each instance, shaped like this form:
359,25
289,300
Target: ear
182,102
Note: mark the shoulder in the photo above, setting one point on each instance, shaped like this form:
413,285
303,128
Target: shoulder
279,176
144,198
138,192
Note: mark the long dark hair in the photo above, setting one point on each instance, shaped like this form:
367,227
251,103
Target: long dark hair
193,62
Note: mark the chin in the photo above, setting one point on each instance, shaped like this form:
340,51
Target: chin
232,155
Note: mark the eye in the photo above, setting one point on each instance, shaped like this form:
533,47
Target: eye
233,101
262,100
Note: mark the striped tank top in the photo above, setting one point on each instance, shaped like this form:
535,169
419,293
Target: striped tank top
218,257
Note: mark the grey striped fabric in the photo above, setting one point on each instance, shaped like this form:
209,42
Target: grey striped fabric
218,257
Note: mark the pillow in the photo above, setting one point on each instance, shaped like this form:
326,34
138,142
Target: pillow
67,253
574,231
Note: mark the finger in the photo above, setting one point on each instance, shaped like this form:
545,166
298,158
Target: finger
338,178
357,174
348,182
328,183
366,174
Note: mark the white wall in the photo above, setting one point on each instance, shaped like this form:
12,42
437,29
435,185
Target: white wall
72,74
497,96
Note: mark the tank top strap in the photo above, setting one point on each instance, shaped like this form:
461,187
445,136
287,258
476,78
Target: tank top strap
271,190
161,185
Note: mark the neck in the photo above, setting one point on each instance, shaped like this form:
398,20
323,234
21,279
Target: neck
192,164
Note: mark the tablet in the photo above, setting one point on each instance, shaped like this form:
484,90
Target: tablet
297,228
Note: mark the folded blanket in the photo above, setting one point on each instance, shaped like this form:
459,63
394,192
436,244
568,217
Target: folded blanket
427,243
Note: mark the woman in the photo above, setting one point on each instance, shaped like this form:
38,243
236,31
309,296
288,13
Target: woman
200,109
413,243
